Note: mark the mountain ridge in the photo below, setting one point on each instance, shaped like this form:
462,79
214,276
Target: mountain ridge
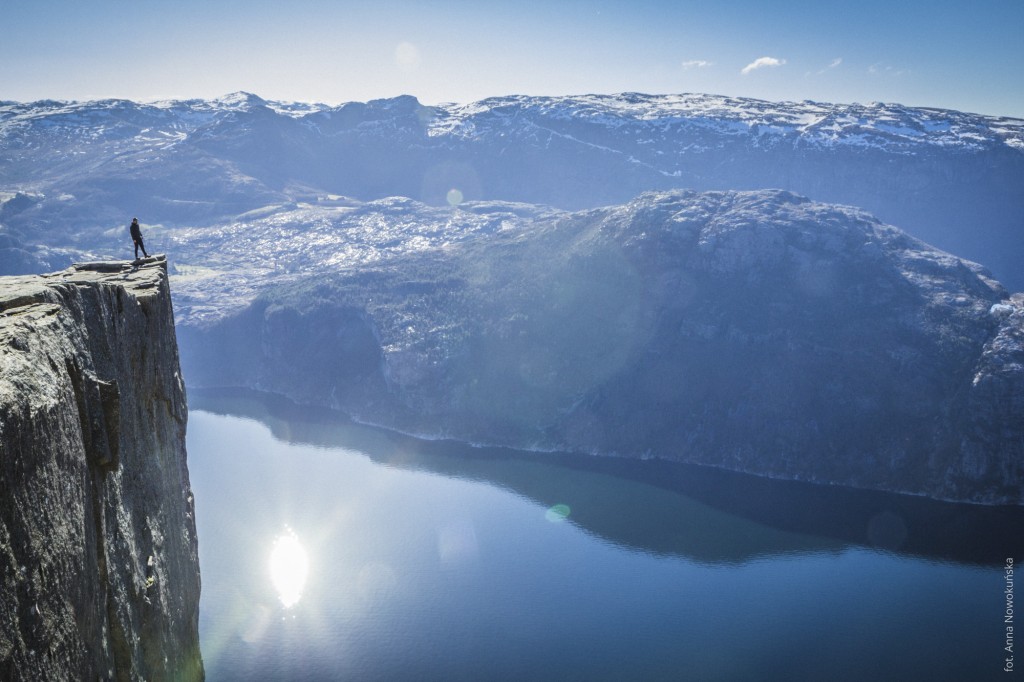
783,116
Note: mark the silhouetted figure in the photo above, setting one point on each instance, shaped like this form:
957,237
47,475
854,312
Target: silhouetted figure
137,239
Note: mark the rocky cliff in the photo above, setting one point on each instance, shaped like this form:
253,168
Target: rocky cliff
98,551
752,331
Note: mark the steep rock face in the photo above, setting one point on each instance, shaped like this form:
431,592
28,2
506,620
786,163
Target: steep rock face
98,549
753,331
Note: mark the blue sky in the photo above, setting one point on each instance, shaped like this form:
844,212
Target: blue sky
959,55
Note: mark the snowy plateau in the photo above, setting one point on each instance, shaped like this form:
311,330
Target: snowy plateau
763,287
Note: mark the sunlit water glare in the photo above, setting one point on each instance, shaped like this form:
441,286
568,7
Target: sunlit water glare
289,567
405,560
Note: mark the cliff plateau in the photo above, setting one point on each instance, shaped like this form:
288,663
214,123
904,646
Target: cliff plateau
98,551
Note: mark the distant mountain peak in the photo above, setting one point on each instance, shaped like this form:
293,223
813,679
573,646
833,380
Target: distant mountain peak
241,99
399,101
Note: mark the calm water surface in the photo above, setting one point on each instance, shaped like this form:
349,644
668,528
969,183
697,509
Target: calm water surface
331,551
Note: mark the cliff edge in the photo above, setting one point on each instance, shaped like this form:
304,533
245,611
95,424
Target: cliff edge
99,568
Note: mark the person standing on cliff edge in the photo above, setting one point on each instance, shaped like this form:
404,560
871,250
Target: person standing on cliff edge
137,239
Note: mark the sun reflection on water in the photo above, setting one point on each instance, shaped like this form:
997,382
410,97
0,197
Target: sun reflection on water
289,567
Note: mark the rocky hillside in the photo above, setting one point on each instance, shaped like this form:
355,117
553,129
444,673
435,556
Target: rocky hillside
98,550
951,178
752,331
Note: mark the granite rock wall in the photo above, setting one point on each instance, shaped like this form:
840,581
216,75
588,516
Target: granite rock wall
98,551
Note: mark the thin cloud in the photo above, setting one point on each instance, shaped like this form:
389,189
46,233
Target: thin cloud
696,64
761,63
886,70
835,63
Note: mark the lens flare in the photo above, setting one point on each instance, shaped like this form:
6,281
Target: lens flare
558,513
454,197
289,566
407,56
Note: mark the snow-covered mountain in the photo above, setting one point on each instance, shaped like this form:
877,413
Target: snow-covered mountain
954,179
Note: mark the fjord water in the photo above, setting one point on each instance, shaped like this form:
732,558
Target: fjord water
330,550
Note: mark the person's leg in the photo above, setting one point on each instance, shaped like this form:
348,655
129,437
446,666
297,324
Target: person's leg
144,254
136,242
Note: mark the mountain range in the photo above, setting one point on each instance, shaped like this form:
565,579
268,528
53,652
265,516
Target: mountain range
71,173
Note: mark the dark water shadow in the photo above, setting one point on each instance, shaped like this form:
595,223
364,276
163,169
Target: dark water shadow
663,508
